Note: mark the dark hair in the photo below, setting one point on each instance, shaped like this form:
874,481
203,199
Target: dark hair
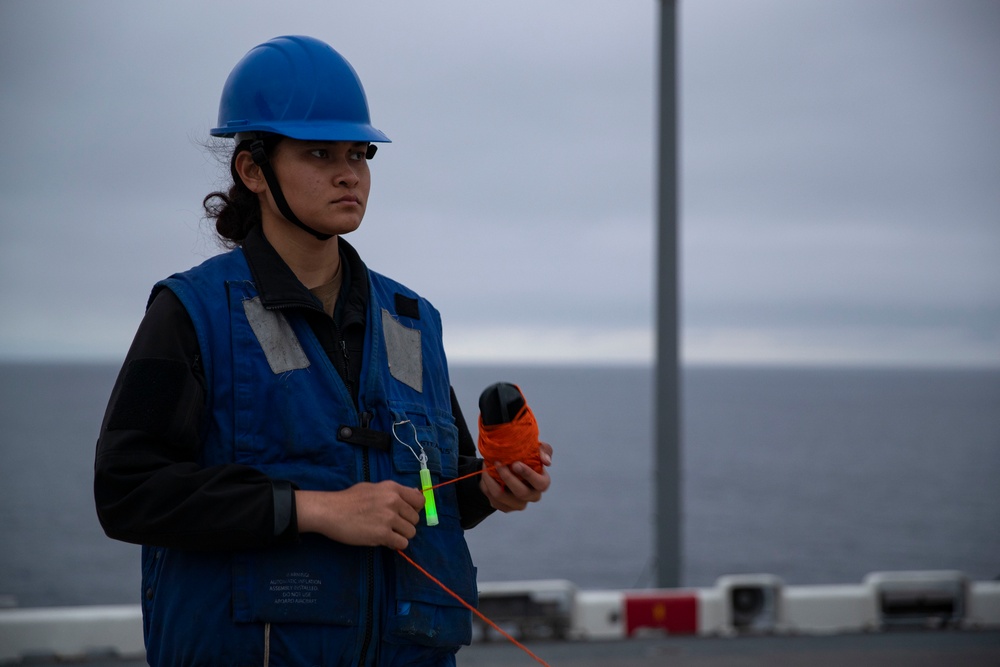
237,211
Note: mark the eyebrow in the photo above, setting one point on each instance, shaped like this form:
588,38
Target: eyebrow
352,144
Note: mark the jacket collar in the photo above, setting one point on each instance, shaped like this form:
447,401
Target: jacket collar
278,286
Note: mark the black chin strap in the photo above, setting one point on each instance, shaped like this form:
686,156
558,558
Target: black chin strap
259,156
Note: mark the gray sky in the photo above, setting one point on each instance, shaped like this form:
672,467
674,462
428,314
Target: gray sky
840,170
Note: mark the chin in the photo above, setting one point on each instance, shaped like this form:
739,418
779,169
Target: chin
338,228
347,229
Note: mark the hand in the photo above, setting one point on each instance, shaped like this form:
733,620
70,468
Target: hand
523,484
383,514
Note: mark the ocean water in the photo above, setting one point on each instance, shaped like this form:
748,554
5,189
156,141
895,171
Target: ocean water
815,475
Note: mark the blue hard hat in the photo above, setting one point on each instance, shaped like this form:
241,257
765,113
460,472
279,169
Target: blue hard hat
298,87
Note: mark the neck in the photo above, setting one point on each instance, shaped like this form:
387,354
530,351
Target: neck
313,262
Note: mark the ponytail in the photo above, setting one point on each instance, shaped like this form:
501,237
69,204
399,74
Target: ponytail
237,211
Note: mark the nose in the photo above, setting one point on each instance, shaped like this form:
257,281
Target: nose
346,173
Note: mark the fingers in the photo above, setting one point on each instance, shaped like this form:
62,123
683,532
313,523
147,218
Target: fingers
523,485
545,453
404,525
403,515
534,483
384,514
402,532
412,496
499,498
515,479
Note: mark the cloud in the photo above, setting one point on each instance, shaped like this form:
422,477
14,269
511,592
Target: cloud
839,162
835,165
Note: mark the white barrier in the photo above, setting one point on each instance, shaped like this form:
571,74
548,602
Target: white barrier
829,609
983,610
762,604
736,604
599,615
71,633
713,612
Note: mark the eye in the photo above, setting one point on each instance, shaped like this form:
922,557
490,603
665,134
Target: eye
357,155
321,153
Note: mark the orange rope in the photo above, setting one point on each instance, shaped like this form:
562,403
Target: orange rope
459,479
472,609
516,440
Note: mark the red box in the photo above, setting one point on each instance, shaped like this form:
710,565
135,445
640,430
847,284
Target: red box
675,613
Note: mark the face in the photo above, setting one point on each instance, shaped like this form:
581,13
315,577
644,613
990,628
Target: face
326,185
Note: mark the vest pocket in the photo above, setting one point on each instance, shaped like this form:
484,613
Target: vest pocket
422,612
315,581
425,613
417,429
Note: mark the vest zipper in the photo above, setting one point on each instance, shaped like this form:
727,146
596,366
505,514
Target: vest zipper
366,474
345,356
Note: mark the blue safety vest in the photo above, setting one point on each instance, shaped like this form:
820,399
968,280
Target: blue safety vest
276,403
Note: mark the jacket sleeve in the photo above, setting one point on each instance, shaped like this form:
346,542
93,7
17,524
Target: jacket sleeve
148,487
473,506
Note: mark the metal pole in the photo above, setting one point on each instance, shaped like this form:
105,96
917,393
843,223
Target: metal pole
667,406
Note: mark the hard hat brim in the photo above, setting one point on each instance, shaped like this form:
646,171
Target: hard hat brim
307,130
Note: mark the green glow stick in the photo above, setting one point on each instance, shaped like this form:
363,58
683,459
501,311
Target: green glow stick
429,506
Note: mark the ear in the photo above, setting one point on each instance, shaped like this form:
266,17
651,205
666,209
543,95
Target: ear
250,173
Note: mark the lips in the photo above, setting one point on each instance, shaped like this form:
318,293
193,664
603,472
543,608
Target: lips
347,199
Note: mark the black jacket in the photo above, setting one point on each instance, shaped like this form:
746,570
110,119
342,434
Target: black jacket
148,486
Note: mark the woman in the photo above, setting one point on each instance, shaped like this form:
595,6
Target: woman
266,434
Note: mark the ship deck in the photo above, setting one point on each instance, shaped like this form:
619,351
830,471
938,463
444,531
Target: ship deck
882,649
